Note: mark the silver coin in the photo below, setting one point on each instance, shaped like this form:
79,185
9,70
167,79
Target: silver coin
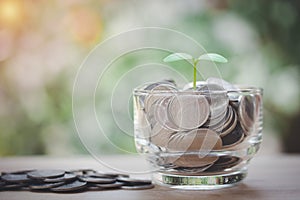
217,124
152,99
186,160
155,85
14,186
70,187
219,121
233,138
18,172
108,175
93,179
15,178
230,125
2,183
106,186
217,98
247,112
80,172
133,181
42,174
227,120
66,177
43,186
160,136
194,141
158,91
162,86
235,104
159,114
224,163
194,170
188,111
138,187
149,86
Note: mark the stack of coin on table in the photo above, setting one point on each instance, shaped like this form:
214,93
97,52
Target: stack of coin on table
187,128
69,181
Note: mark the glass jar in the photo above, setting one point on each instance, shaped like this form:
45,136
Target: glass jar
198,139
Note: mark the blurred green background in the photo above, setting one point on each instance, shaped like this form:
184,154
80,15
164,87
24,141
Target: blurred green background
42,44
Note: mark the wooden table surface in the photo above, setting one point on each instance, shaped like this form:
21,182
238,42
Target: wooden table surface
269,177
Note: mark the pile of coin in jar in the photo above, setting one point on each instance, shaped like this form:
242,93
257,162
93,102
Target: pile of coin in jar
191,123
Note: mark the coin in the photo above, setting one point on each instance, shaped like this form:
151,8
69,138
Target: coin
235,104
43,186
194,170
188,111
219,123
42,174
93,179
217,98
2,183
108,186
133,181
186,160
82,171
70,187
233,138
152,99
230,125
160,136
160,111
228,161
223,163
165,87
218,120
110,175
161,85
66,177
18,172
158,114
150,86
195,140
138,187
247,112
15,178
13,186
194,148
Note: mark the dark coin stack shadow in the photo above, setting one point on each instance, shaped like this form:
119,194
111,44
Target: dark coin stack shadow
184,121
60,181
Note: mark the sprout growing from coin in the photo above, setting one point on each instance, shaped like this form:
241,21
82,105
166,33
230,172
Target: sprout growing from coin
184,56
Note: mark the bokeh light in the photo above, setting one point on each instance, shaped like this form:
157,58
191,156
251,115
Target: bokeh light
11,12
85,25
43,43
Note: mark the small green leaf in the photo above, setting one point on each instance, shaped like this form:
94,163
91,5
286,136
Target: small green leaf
213,57
177,56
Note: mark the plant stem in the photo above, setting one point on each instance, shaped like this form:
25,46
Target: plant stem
195,62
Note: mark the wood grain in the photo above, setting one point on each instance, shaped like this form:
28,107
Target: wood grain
270,177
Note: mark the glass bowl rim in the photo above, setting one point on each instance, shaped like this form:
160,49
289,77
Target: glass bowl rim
239,89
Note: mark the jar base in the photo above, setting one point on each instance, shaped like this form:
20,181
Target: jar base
195,182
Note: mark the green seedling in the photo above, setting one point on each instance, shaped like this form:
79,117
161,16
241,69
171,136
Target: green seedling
184,56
